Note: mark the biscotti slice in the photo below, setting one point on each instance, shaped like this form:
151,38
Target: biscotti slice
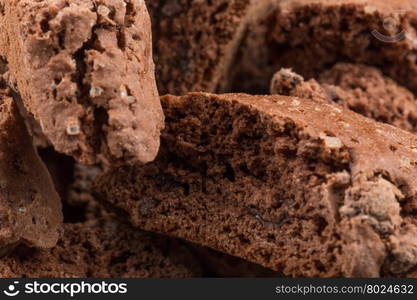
103,248
298,186
360,88
80,205
30,209
195,41
310,36
84,70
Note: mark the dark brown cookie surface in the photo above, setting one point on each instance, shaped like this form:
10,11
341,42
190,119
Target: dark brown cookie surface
360,88
84,69
30,209
302,187
312,35
103,248
195,41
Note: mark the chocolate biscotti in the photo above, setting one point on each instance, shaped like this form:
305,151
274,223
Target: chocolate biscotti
81,206
195,41
310,36
360,88
302,187
84,70
30,209
103,248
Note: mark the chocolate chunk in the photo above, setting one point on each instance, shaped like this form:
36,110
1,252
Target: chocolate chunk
298,186
30,209
84,70
360,88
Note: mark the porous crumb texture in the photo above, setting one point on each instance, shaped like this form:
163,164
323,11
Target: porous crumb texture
80,207
268,179
195,41
84,70
360,88
103,248
310,36
30,209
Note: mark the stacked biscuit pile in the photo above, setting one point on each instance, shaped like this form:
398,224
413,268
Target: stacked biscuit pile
185,138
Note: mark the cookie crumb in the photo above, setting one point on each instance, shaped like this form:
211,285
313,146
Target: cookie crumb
103,10
331,142
96,92
73,128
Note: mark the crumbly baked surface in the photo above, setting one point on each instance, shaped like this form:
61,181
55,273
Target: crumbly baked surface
195,41
84,70
310,36
103,248
302,187
81,208
317,180
360,88
30,209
